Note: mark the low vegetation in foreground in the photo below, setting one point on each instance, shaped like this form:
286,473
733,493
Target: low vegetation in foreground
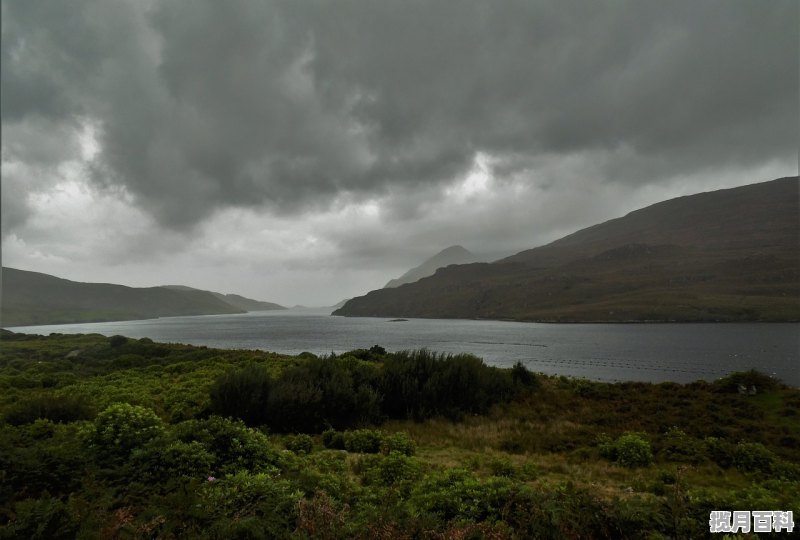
121,438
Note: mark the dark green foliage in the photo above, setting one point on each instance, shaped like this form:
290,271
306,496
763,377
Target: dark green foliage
243,393
333,439
393,469
234,445
522,376
753,457
629,450
299,444
253,506
399,442
421,384
45,518
719,451
457,493
746,379
117,341
158,462
38,458
323,392
57,408
365,441
373,354
568,511
676,445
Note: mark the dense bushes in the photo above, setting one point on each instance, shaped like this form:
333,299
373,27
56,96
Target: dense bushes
350,392
54,408
339,392
242,393
174,469
421,384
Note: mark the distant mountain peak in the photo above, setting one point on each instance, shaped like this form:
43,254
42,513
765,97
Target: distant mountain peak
451,255
725,255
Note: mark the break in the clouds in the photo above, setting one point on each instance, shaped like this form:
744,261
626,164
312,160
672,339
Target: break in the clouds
342,142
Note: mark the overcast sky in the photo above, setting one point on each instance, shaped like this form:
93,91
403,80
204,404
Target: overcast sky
303,152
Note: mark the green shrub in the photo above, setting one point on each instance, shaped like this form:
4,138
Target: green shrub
299,444
629,450
122,427
248,505
633,450
156,464
676,445
456,493
390,469
333,439
667,477
400,442
606,447
753,457
364,441
234,445
719,451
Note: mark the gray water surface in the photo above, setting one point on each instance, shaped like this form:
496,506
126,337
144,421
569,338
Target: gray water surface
608,352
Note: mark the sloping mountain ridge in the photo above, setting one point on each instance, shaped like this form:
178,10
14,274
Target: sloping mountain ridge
446,257
236,300
32,298
726,255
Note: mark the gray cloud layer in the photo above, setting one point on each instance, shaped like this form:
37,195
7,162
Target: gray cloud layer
202,105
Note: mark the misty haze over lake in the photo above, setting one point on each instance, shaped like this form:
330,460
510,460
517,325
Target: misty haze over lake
626,352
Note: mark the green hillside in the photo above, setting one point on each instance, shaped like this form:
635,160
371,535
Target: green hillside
727,255
31,298
238,301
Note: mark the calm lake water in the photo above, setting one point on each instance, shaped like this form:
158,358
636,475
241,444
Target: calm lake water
608,352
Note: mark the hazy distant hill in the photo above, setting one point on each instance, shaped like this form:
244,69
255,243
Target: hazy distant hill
726,255
446,257
340,303
33,298
241,302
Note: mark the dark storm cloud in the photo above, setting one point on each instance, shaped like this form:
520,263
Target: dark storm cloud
202,105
